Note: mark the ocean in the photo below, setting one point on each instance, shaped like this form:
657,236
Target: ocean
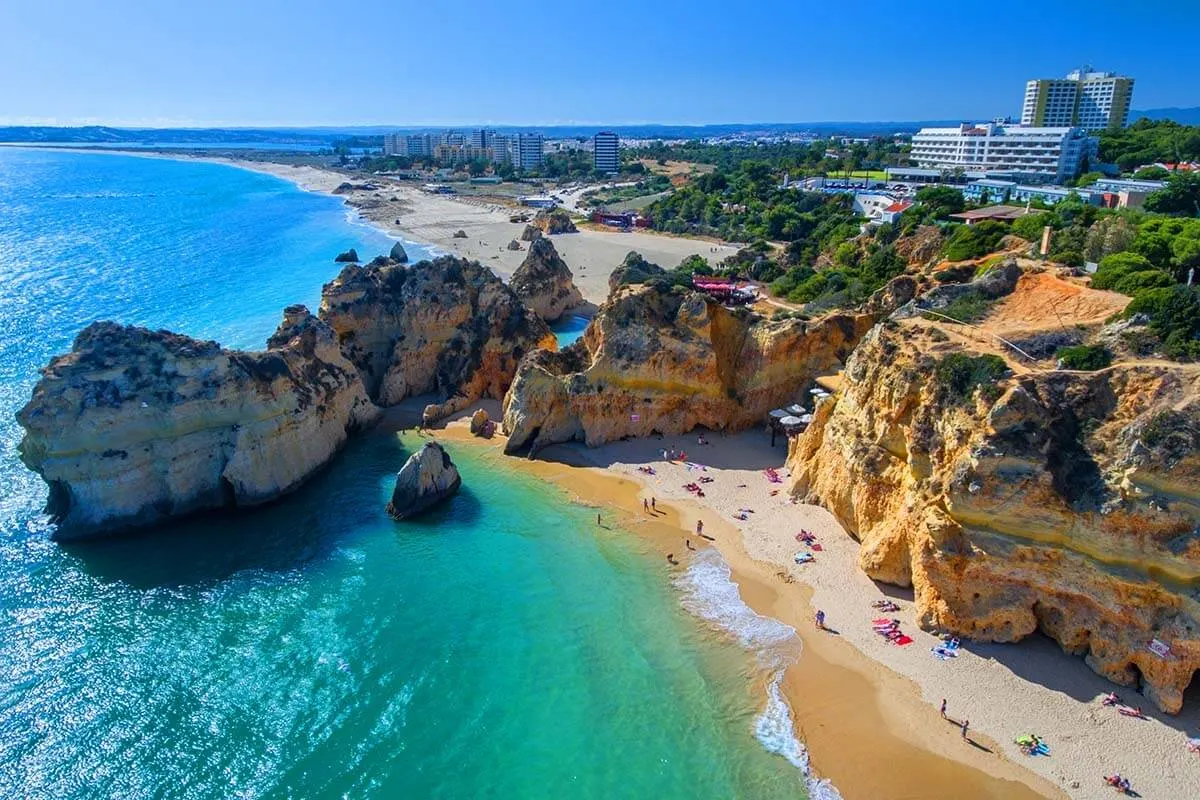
502,646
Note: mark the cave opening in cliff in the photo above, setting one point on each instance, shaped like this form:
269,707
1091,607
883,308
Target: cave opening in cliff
228,493
1191,693
58,503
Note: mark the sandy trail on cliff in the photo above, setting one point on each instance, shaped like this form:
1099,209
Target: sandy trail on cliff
1004,690
432,219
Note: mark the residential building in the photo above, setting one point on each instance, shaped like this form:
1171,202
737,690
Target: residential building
1084,99
1053,154
606,152
997,191
526,150
502,149
482,137
418,146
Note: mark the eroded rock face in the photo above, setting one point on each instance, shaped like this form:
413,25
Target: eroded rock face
397,254
552,221
530,233
447,326
1064,502
667,362
134,427
426,479
545,283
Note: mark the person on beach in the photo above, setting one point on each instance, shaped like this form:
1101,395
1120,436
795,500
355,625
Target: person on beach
943,708
966,723
699,527
654,504
597,519
688,542
820,620
645,505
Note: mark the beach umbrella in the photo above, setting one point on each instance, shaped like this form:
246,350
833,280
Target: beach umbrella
778,413
796,409
790,421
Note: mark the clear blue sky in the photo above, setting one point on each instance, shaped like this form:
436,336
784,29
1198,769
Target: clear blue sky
310,62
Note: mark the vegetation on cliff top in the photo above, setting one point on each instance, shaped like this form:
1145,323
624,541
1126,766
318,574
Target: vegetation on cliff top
958,374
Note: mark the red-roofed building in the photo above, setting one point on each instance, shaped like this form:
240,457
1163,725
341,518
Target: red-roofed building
893,211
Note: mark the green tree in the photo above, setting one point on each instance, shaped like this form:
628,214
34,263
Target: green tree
1180,196
1030,226
1152,173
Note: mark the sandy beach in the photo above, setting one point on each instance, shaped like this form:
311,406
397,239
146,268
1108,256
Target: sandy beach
402,210
864,707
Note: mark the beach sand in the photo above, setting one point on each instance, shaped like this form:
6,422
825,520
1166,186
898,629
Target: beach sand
866,710
431,219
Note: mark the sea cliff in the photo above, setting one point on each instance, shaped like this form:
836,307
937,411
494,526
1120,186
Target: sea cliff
135,426
447,326
666,362
1021,500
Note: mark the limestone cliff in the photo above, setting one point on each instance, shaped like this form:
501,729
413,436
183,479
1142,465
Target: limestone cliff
1065,502
427,478
667,362
447,326
134,427
545,283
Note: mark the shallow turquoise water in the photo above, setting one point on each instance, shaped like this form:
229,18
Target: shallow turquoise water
569,328
501,647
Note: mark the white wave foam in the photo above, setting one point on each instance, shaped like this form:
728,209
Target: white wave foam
709,593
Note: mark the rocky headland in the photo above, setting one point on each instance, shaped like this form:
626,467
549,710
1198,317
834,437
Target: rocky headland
134,426
545,283
447,326
666,362
1014,498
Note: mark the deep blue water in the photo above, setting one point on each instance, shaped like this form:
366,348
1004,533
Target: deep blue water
501,647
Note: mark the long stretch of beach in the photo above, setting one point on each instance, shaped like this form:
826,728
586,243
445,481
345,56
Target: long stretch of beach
404,211
867,711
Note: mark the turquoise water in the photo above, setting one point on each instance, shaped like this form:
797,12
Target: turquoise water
569,328
501,647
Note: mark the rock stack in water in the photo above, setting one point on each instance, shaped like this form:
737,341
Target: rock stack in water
544,283
426,479
134,427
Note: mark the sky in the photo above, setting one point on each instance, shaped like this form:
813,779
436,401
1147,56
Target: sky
394,62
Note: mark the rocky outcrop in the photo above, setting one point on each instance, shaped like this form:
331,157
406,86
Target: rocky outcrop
459,234
348,257
1062,502
426,479
397,254
481,424
530,233
545,283
554,220
514,245
134,427
666,362
634,269
447,326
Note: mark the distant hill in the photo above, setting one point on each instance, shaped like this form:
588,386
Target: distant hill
1184,116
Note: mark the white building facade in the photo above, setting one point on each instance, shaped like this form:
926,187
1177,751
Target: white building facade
1052,153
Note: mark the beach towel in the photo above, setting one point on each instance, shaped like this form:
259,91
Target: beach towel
817,547
883,621
944,652
803,558
902,640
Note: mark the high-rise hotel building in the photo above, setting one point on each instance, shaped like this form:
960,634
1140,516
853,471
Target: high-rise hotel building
1083,99
606,152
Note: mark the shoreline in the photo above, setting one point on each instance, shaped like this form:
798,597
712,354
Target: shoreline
855,718
401,211
883,699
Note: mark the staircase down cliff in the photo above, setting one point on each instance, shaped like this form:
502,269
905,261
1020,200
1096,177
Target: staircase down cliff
447,326
1065,502
667,362
545,283
133,426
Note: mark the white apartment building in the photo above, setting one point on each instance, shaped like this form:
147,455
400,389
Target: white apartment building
398,144
1085,99
1052,154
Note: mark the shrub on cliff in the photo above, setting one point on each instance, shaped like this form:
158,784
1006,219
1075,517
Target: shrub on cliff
1088,357
1129,273
1174,314
974,241
958,374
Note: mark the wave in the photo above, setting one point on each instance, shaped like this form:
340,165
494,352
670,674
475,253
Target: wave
708,592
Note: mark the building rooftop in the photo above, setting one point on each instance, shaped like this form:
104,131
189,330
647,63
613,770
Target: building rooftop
1002,213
